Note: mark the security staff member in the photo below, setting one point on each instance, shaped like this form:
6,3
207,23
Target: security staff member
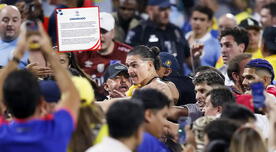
170,71
158,31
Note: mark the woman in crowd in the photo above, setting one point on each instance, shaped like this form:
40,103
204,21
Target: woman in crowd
91,127
247,139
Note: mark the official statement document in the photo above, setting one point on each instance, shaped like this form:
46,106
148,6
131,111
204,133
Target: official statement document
78,29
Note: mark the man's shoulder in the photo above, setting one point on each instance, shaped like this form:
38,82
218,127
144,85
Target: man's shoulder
173,26
151,144
98,148
119,46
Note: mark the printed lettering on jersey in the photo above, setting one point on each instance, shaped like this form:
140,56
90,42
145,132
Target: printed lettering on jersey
98,80
123,48
153,38
100,68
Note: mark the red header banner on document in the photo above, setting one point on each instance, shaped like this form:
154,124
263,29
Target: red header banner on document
78,29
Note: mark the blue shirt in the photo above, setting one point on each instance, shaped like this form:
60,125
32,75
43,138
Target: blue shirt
210,54
50,134
151,144
5,50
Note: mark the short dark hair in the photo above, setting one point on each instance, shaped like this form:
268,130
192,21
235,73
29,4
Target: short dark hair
151,98
205,10
221,129
239,34
208,68
234,64
272,8
147,53
238,113
209,77
124,118
21,93
217,145
221,96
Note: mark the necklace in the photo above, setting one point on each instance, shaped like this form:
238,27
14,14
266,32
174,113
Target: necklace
151,80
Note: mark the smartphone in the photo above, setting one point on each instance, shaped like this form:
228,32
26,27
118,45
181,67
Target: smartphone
183,122
31,26
258,94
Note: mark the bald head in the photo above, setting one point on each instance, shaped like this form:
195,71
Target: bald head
10,21
227,21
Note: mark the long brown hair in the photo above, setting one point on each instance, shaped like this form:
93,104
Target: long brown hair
247,139
91,118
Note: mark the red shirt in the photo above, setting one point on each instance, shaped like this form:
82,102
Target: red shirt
95,64
271,89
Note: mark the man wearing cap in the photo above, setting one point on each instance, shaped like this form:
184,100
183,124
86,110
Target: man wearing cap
259,70
170,70
158,31
116,80
254,30
111,52
269,46
51,94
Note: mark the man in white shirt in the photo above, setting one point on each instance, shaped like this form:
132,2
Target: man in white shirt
125,122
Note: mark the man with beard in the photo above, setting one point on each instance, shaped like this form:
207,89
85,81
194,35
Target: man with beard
10,21
125,18
235,70
158,31
268,15
259,70
116,80
111,52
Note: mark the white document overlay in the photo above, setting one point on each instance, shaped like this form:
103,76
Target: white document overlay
78,29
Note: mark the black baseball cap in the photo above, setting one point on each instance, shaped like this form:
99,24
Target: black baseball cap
250,23
113,70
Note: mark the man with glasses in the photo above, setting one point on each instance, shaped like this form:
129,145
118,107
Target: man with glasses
111,52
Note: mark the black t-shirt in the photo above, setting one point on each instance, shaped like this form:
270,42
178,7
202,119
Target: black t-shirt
185,88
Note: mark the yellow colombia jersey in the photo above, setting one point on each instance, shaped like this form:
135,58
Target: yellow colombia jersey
243,15
257,54
132,89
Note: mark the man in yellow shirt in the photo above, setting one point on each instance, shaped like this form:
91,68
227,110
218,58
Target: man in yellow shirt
254,32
